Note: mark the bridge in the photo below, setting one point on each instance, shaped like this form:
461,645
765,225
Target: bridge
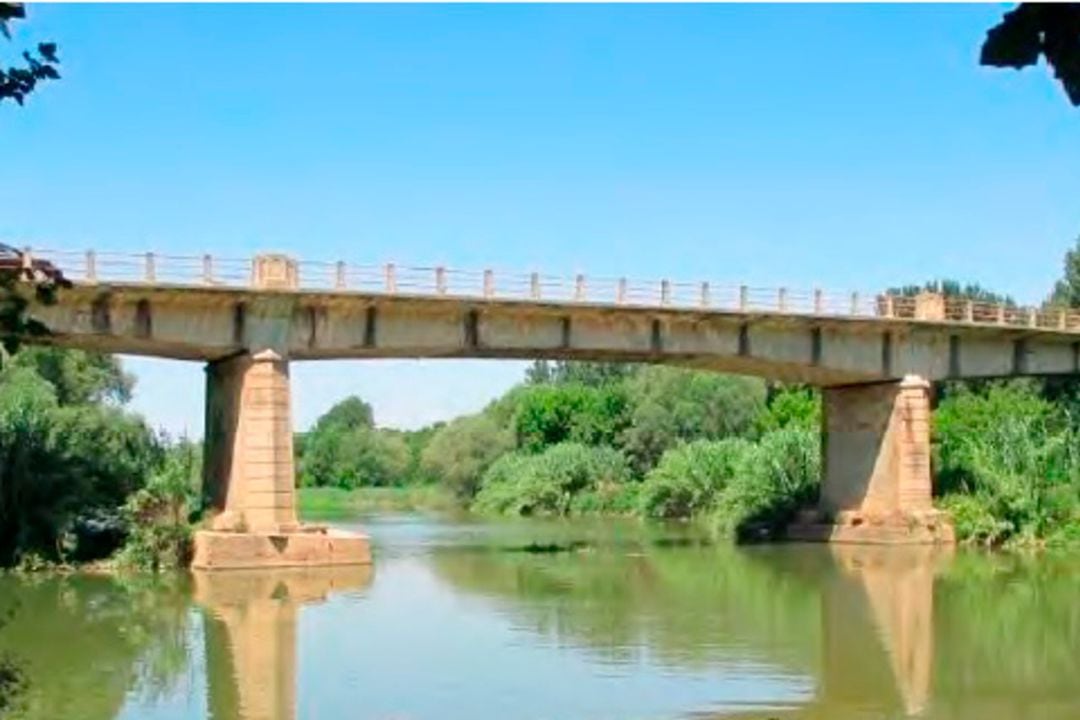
875,355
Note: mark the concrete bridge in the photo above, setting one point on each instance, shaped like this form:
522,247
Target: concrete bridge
876,356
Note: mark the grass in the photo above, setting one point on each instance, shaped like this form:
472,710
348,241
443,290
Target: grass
337,502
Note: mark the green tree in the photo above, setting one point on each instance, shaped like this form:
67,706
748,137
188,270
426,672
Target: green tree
349,414
16,82
1067,290
462,450
578,372
670,405
353,457
571,412
1034,30
78,377
65,470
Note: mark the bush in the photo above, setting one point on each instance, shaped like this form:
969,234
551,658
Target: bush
1010,464
689,478
564,479
159,516
791,407
462,450
61,465
778,476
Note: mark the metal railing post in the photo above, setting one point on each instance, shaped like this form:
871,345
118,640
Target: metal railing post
91,266
207,270
620,292
706,295
781,300
440,280
534,286
854,303
744,298
489,284
665,292
579,288
150,272
339,275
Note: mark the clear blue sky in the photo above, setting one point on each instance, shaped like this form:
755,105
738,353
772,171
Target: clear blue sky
842,146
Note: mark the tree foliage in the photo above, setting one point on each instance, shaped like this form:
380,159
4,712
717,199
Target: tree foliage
672,405
65,470
18,81
462,450
1033,30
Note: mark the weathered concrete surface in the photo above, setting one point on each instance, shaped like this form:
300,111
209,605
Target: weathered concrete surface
248,466
208,323
251,634
311,547
876,483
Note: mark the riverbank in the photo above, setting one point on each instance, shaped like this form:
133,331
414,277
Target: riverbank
327,502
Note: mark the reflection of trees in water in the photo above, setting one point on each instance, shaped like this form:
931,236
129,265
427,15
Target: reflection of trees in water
1007,632
85,642
689,606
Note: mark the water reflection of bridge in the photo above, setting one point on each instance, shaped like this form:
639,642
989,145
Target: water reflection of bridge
862,623
250,636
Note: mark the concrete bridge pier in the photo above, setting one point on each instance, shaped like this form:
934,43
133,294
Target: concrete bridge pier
249,475
876,479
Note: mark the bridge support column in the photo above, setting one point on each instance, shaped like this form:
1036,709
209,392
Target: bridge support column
876,480
249,478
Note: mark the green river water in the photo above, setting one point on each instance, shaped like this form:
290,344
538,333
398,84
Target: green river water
561,620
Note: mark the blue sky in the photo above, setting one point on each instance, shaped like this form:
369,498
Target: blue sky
852,147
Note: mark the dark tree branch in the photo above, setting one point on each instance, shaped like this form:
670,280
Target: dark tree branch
17,82
1032,30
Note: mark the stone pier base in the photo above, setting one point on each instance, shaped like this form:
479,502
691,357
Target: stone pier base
876,483
307,547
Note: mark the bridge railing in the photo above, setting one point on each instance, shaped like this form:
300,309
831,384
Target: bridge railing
91,267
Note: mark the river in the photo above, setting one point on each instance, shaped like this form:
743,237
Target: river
558,621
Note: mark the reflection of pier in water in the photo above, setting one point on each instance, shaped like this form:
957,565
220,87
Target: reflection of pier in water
251,639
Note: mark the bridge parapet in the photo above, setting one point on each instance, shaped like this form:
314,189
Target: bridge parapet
282,273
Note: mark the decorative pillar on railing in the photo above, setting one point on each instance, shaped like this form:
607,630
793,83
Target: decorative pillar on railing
665,292
579,288
1063,319
440,280
930,306
744,298
1032,317
91,266
781,300
969,311
339,275
620,291
150,273
854,303
207,270
534,286
1001,313
274,272
819,302
890,306
489,284
391,278
706,299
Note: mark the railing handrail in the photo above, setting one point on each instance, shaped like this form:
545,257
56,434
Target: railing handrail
202,270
